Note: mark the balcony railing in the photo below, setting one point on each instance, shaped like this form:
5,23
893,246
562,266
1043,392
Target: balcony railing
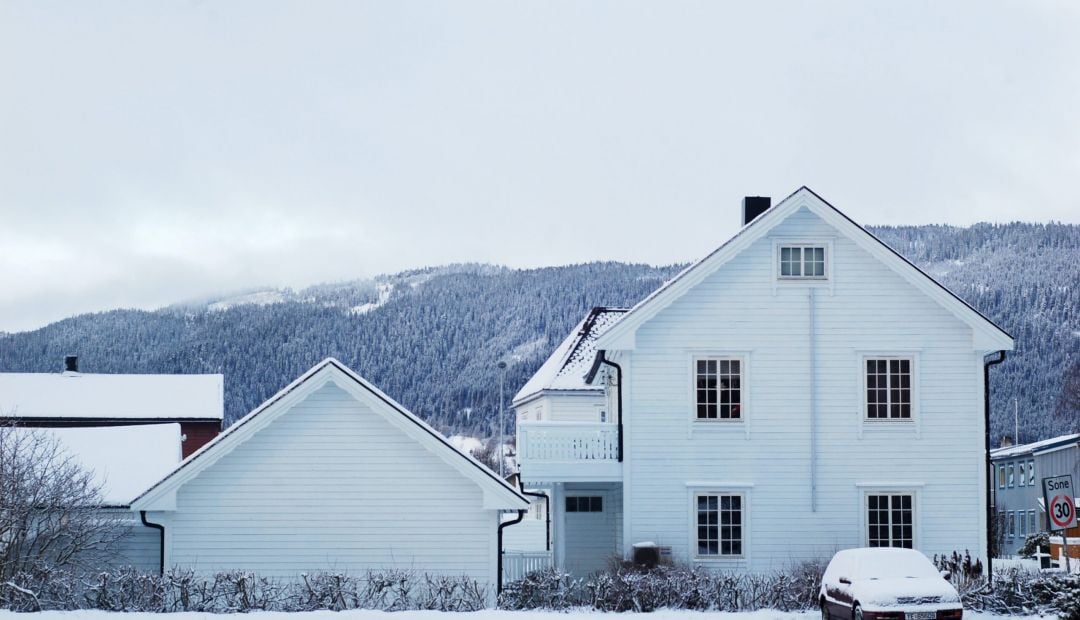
517,564
567,442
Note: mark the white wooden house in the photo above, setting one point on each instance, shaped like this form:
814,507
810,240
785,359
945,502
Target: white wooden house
331,474
800,390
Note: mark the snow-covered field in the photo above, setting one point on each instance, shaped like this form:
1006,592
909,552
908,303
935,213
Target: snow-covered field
491,614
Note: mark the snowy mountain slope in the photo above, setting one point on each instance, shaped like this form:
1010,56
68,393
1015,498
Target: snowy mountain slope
431,337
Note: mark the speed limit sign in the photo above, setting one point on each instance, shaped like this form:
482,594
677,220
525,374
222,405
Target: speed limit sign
1060,505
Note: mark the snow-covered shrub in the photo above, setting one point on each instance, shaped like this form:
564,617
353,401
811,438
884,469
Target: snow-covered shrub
1035,543
543,589
240,591
626,587
965,574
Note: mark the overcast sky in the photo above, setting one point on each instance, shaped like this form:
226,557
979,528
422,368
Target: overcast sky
152,152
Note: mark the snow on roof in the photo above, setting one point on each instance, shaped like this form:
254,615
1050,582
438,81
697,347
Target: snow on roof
1036,446
81,395
125,460
567,366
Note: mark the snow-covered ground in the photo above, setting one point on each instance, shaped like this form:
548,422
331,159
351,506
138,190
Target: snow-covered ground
491,614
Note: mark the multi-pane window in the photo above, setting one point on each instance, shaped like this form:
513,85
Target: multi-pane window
1021,523
1033,524
719,525
585,503
718,388
888,389
798,261
1012,524
1031,473
890,519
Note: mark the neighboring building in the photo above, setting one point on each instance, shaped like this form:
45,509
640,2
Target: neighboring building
125,460
75,399
330,474
1018,473
802,389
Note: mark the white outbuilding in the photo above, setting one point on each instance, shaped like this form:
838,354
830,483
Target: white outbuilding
331,474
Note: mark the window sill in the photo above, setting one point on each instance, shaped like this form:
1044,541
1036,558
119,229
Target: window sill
727,559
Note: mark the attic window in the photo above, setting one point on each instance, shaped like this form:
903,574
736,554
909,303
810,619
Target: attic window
802,261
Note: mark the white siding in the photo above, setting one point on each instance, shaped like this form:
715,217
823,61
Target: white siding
138,547
743,309
331,485
582,406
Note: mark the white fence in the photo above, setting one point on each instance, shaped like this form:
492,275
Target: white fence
517,564
567,441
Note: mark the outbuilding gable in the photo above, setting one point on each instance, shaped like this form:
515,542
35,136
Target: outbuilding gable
496,493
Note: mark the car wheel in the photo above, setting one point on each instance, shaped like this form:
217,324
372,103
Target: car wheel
825,610
856,613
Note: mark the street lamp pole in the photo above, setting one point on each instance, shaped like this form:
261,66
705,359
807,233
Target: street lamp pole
502,447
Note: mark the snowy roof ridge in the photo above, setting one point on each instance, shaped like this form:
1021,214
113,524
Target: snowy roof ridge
1035,446
566,367
83,396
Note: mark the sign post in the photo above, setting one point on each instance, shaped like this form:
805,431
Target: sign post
1060,509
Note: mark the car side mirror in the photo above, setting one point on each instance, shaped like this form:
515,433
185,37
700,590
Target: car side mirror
946,575
845,580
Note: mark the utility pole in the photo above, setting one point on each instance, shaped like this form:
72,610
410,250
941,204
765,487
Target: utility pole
1016,419
502,452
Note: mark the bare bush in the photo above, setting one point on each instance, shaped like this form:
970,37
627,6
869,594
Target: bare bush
50,518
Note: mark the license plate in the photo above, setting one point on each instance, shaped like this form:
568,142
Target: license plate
920,615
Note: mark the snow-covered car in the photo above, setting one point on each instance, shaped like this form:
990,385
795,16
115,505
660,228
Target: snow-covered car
885,583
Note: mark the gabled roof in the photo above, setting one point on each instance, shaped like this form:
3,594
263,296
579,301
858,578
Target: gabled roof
124,460
987,335
566,367
85,396
497,493
1036,447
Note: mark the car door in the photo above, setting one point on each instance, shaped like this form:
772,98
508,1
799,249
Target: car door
837,594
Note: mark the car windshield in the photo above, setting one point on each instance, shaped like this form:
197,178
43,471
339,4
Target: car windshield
893,564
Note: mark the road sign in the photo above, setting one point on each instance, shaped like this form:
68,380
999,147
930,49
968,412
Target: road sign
1060,505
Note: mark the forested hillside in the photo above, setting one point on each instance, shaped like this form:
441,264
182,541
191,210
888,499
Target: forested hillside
431,338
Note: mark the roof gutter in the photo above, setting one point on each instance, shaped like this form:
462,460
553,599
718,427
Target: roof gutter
602,359
989,471
161,540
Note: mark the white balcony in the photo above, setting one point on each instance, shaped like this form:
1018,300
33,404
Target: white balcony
517,564
568,452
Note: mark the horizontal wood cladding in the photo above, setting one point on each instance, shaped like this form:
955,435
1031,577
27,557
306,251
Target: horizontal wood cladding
866,310
332,485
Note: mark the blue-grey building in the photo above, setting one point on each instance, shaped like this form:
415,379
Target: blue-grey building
1018,474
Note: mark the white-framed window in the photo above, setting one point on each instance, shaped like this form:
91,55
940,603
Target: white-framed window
889,388
1001,476
1033,524
1031,473
802,261
718,389
1021,524
890,520
584,503
719,520
1012,475
1021,478
1012,524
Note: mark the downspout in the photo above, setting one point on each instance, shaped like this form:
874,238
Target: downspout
499,568
161,540
547,511
989,471
618,388
813,402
